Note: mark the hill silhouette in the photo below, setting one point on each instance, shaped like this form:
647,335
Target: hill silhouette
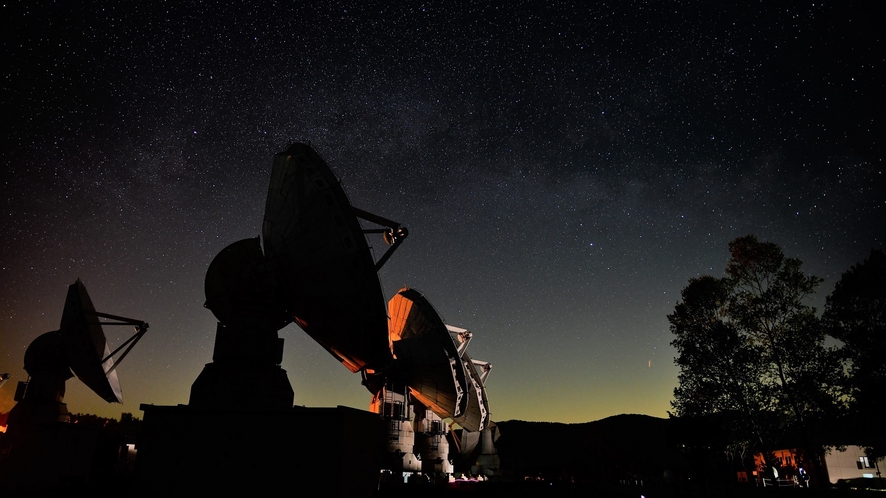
621,448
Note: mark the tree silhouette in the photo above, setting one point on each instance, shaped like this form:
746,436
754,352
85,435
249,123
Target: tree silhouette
719,369
748,344
767,293
855,313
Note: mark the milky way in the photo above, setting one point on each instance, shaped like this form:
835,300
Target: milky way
563,170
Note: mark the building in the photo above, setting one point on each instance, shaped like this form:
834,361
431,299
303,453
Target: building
842,466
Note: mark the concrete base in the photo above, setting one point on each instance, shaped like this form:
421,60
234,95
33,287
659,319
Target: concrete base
185,451
55,458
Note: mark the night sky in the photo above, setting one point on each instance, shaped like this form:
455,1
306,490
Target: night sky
564,168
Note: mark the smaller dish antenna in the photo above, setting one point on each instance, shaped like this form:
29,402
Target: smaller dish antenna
41,450
79,346
87,349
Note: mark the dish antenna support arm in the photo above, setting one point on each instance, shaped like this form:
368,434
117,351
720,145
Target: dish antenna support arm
393,235
140,329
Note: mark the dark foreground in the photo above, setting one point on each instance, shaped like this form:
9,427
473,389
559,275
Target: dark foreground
499,489
541,489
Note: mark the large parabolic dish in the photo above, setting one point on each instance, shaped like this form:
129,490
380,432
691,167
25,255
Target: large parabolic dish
328,279
438,374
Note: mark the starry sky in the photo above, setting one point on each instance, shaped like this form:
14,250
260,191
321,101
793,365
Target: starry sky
564,168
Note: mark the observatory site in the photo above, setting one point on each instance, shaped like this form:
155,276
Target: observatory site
312,266
264,245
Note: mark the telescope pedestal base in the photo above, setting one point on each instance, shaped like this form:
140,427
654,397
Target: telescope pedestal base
187,451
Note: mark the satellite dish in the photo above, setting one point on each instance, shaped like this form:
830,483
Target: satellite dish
437,373
78,345
313,266
41,451
328,279
86,347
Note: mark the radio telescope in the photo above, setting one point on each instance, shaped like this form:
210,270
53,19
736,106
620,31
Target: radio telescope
313,266
39,449
315,269
435,380
79,346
